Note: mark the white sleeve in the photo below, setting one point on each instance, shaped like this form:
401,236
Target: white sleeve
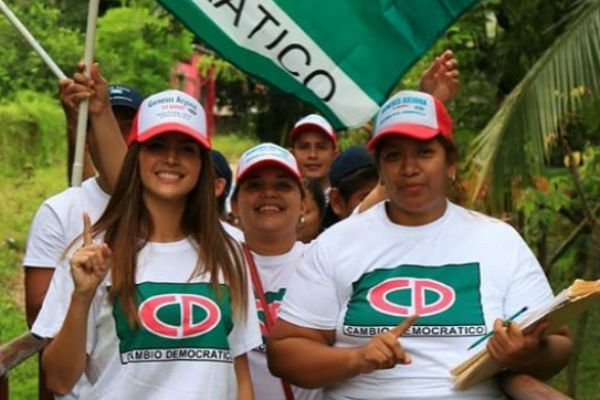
56,303
311,300
245,335
528,285
47,239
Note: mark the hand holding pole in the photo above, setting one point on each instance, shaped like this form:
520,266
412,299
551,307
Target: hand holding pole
83,107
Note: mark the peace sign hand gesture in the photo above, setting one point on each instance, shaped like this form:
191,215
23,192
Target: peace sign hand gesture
89,264
384,351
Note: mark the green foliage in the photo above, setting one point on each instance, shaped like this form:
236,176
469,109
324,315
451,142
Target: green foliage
353,137
33,133
540,209
223,70
20,197
20,67
138,47
233,145
590,171
516,141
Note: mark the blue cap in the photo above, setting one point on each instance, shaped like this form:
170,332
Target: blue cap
222,168
350,160
124,96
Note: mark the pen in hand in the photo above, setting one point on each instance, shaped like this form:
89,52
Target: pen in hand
505,323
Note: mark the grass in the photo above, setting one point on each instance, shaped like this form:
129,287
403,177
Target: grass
19,199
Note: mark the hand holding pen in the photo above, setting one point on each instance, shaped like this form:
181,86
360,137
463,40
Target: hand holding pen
504,323
511,348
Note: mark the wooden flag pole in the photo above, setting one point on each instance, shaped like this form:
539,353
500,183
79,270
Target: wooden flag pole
31,40
82,118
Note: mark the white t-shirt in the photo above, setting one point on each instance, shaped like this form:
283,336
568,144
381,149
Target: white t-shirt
188,338
233,231
59,220
275,274
460,272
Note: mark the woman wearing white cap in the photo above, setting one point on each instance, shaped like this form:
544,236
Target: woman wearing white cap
157,304
387,302
269,201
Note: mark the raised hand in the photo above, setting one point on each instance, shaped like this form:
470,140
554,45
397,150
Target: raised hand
442,78
513,349
89,264
80,88
384,351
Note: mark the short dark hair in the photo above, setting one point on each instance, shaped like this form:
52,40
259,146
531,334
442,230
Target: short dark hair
314,188
356,180
222,170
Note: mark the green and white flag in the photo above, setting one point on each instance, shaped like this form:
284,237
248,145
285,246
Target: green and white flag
342,56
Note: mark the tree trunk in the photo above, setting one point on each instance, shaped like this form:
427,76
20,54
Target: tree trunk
4,388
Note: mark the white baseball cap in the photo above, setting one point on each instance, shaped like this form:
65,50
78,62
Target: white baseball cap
267,154
414,114
314,122
169,111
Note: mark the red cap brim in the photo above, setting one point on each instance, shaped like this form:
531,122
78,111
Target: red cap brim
169,127
266,163
413,131
314,127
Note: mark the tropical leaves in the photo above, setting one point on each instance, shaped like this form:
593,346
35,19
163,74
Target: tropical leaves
515,143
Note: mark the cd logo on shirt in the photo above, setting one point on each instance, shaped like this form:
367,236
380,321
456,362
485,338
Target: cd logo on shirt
273,310
418,288
274,300
177,322
150,308
446,297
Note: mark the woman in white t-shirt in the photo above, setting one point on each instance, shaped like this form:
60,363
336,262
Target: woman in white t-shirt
269,201
159,306
364,281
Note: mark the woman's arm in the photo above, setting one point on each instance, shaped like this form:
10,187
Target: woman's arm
64,359
378,194
242,375
305,357
106,141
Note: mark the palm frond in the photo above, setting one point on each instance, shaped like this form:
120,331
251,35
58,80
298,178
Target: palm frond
515,141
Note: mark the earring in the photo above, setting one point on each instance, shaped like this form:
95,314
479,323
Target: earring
302,219
453,176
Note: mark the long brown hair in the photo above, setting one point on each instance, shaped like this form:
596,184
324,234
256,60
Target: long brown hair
127,226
